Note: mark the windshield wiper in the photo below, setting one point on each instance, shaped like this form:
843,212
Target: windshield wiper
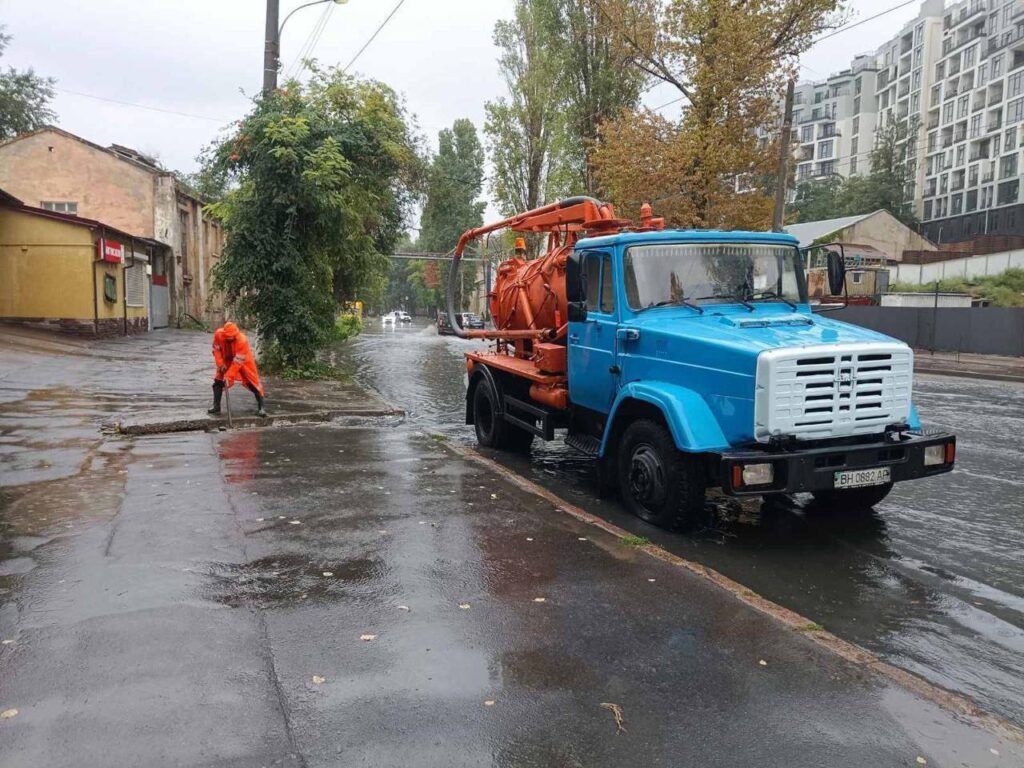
683,302
737,296
770,295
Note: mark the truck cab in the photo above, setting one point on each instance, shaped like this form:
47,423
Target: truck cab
694,359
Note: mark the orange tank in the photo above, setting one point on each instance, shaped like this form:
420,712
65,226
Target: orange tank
530,294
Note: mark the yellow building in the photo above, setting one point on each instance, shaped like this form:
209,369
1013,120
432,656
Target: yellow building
73,274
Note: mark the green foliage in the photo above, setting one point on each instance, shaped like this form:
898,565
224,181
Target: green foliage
635,541
24,98
1003,290
320,176
454,183
345,327
886,187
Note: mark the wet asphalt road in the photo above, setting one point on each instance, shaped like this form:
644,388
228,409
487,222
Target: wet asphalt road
201,599
932,582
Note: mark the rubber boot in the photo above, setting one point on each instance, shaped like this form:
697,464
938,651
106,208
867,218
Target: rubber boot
218,392
259,405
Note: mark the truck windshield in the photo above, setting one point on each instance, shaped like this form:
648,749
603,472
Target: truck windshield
710,273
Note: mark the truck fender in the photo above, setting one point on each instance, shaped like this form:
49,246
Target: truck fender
693,426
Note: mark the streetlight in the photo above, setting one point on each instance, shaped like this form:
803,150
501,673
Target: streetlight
272,48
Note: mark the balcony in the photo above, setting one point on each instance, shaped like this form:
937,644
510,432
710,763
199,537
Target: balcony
995,125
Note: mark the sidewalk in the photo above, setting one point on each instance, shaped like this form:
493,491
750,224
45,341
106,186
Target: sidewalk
968,365
161,382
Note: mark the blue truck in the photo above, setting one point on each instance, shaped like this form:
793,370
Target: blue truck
685,360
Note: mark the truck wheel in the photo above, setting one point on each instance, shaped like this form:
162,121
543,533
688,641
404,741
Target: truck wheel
852,499
492,431
658,482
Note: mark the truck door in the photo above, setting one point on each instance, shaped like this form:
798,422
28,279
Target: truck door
592,377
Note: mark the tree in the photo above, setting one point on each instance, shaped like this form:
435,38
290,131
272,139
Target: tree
818,199
524,129
24,98
321,177
728,60
596,83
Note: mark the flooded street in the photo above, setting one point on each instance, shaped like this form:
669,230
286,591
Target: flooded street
933,581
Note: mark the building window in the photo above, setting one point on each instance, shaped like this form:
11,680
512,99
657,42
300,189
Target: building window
1015,111
856,104
963,106
983,73
807,134
857,86
827,168
110,289
60,206
857,278
856,126
927,209
854,144
1008,166
1008,192
1010,139
853,165
824,149
1015,85
947,112
997,66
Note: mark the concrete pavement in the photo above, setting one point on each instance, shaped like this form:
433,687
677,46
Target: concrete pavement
360,595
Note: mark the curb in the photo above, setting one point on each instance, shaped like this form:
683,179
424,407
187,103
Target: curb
968,373
952,702
207,424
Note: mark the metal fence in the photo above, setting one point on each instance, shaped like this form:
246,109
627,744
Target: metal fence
981,330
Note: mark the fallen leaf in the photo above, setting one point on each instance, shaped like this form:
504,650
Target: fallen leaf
464,606
921,760
582,538
529,538
6,642
616,711
489,703
328,573
367,638
763,663
317,680
994,751
651,580
494,495
294,522
403,608
8,713
539,599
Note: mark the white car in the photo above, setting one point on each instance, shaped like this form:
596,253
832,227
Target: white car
403,317
388,319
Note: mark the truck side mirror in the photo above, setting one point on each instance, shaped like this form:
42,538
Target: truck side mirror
836,266
575,278
577,311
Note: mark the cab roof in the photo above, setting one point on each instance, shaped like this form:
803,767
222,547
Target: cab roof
687,236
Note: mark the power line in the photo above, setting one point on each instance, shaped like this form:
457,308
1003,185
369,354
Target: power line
310,41
144,106
878,15
383,24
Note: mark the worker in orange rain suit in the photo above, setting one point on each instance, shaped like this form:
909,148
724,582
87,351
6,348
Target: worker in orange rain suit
235,362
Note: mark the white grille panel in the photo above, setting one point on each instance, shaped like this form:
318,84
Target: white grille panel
832,390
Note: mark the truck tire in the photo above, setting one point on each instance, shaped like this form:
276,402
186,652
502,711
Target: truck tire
492,431
658,482
852,499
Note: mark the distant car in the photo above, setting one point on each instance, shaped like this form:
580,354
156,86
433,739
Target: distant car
388,319
403,317
471,320
444,328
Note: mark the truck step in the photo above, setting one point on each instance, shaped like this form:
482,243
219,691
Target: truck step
534,419
584,444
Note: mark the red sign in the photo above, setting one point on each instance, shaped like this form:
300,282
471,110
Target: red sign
111,250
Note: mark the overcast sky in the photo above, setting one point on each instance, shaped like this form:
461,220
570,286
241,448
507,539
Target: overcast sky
204,58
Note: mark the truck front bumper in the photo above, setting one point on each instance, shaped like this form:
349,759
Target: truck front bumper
809,469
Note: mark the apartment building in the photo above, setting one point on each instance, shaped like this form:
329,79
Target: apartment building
972,167
834,122
956,73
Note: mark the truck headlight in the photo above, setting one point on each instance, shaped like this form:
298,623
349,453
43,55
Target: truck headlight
758,474
943,453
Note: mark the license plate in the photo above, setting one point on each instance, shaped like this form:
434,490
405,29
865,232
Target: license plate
859,478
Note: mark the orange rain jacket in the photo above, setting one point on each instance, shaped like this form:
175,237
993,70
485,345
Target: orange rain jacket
234,358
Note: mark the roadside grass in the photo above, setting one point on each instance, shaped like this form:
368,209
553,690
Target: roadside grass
812,627
634,541
439,438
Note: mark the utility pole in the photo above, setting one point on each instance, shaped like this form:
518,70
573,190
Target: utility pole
271,49
782,176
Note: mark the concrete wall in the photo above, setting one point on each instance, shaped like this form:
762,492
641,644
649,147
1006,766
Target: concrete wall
982,330
49,275
51,166
971,266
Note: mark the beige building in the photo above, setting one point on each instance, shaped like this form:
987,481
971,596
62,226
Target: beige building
58,171
879,236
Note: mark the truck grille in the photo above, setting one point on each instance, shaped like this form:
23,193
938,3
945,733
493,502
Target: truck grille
835,390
